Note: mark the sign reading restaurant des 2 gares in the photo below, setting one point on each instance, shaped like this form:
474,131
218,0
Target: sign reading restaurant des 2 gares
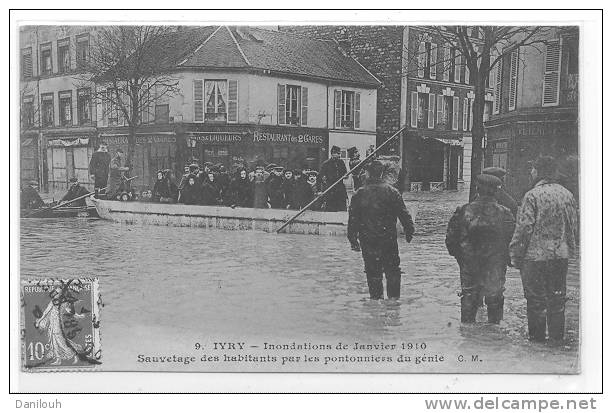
265,135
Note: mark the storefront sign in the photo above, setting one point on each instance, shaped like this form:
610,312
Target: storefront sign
220,137
140,140
287,137
263,135
63,142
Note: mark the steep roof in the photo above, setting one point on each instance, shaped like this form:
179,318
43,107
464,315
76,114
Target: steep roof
244,48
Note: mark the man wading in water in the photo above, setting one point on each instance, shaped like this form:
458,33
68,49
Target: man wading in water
373,215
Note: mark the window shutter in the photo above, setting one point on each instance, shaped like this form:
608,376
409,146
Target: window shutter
198,100
457,66
455,113
433,61
467,74
232,101
440,108
414,109
446,63
431,112
498,86
304,105
471,114
357,110
552,68
421,59
281,105
337,108
466,108
514,61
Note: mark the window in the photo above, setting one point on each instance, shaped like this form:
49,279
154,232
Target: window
84,106
456,66
347,109
63,55
27,114
552,67
428,57
162,113
65,108
46,64
292,105
571,46
468,107
47,109
82,50
111,111
487,110
448,112
216,100
423,108
26,63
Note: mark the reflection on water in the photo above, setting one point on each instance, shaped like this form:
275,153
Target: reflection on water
167,286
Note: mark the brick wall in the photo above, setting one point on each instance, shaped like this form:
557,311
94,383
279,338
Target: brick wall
378,49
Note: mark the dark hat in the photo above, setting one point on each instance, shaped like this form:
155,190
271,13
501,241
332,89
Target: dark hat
119,150
351,150
193,167
73,179
271,166
32,182
311,173
488,181
279,168
545,165
335,149
495,171
375,168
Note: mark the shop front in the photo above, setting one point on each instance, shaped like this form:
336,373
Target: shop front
67,157
29,158
153,151
290,147
432,163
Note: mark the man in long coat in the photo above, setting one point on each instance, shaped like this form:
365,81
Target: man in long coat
99,166
332,170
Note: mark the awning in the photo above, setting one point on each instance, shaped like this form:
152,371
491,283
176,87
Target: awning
447,141
64,142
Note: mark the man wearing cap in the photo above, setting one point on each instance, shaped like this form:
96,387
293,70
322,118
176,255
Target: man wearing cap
74,192
477,236
354,160
332,170
502,197
373,214
545,238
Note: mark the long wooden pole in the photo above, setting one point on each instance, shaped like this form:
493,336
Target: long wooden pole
38,211
370,156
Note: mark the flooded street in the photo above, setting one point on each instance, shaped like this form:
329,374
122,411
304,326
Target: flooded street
165,289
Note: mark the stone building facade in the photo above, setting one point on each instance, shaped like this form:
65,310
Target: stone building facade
536,109
424,90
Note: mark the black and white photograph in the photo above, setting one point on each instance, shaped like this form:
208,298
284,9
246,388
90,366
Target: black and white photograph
299,197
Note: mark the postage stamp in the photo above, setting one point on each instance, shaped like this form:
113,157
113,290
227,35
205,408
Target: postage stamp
60,326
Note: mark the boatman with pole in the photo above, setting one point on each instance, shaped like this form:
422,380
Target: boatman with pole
373,215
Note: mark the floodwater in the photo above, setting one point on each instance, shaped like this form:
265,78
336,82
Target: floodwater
178,291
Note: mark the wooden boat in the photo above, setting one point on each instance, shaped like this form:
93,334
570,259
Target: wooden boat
221,217
67,211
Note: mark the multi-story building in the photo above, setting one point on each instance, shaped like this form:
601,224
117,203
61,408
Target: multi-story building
57,114
424,89
244,95
536,106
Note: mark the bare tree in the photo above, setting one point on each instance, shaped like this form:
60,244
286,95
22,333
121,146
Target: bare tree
480,53
130,69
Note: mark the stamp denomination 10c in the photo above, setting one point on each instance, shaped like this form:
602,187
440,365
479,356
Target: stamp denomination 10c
60,324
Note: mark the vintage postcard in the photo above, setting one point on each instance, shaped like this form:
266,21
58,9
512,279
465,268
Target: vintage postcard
339,198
